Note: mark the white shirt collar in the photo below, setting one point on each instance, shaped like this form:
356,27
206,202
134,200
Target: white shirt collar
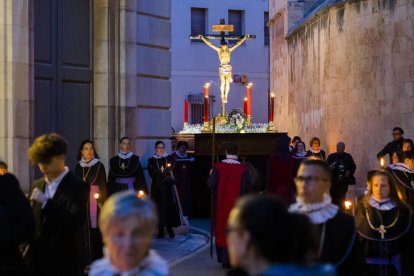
52,186
125,155
301,154
231,159
382,205
315,151
319,212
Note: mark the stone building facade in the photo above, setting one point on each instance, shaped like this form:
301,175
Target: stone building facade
343,71
131,78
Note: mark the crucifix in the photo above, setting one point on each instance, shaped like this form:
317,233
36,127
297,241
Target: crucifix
224,52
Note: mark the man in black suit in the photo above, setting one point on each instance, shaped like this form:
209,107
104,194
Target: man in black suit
59,202
16,225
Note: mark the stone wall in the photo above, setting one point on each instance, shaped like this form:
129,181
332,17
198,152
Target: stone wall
346,73
16,86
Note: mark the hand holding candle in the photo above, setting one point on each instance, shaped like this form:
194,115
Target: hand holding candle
141,194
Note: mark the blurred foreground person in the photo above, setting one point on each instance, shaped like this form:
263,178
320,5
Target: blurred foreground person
385,228
128,224
336,232
59,201
16,225
264,239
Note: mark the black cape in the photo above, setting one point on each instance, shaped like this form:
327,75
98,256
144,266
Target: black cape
57,246
17,225
132,168
92,239
340,246
162,190
398,240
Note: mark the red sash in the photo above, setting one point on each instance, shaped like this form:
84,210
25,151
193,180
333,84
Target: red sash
230,176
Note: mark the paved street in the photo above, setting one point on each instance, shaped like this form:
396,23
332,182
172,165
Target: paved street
189,255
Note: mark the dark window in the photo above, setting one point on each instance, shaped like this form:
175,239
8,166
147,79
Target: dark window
236,19
198,22
266,29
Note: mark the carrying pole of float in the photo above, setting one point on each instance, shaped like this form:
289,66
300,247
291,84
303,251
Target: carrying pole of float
213,153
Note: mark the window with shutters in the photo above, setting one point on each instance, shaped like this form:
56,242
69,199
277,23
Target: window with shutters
198,22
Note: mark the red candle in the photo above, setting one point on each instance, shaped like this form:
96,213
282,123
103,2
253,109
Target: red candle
249,98
206,109
206,87
186,111
245,106
271,106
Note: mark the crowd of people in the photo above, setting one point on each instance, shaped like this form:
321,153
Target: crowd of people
102,222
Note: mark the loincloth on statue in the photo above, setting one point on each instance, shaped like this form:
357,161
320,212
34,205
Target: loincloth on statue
225,69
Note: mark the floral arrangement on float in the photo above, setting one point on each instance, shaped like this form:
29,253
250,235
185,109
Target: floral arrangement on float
235,121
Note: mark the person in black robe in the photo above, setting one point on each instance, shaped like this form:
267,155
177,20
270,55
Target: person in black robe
394,146
343,169
17,225
160,169
385,228
183,163
91,171
315,151
59,203
335,231
403,175
125,171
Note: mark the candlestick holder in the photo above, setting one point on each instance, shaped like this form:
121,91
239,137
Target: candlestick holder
249,120
206,127
271,127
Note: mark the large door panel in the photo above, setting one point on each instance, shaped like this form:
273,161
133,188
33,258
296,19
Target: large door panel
63,70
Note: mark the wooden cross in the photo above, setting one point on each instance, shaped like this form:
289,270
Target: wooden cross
222,28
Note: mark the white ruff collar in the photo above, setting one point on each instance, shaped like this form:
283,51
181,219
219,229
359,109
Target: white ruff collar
124,155
156,156
181,155
231,159
382,205
86,164
315,151
319,212
301,154
401,167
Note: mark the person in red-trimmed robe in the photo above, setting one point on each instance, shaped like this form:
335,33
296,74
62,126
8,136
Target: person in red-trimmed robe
229,180
281,168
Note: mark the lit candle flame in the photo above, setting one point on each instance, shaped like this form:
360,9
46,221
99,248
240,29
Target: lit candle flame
382,161
348,204
207,85
250,84
141,194
168,165
96,195
245,99
272,95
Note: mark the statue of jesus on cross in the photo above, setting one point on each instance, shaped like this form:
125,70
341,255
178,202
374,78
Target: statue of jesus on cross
224,53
